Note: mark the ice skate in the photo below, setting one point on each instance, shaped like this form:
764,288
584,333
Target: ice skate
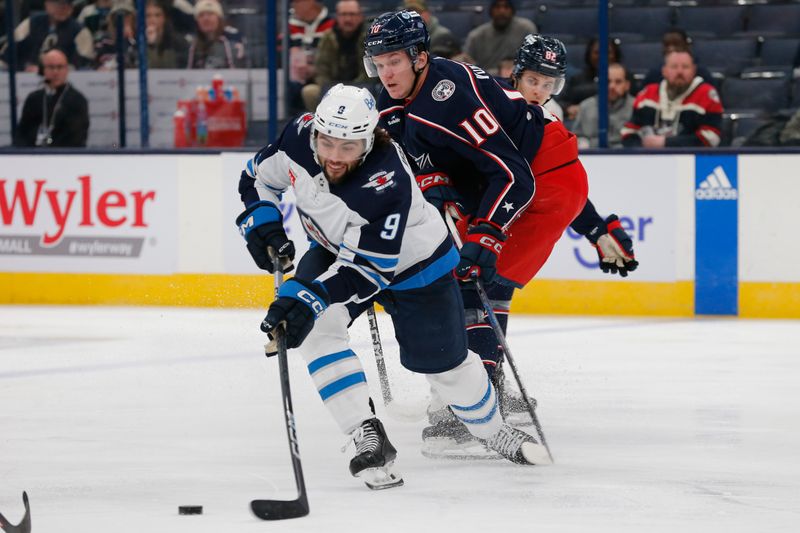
450,439
518,447
374,457
515,408
437,416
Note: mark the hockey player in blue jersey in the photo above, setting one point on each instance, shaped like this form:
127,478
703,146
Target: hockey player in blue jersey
479,145
373,239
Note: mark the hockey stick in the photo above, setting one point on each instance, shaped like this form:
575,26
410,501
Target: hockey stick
404,413
24,525
501,338
283,509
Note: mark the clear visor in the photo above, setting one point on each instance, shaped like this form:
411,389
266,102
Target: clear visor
558,86
538,87
387,64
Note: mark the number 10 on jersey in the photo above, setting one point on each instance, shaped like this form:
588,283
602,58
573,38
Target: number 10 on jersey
485,122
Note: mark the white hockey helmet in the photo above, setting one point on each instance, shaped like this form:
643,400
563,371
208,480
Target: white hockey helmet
347,112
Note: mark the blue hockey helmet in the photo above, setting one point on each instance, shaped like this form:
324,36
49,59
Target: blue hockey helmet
391,32
542,54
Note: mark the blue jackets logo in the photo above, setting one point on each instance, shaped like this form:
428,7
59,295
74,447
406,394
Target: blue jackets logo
716,186
443,90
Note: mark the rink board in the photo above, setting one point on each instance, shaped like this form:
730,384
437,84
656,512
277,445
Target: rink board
158,230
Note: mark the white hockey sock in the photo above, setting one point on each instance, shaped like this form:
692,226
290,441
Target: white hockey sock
336,370
471,396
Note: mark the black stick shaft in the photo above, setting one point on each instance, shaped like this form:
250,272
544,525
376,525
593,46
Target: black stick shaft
501,338
286,392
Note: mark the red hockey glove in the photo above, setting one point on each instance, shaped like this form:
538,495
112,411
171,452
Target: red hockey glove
437,188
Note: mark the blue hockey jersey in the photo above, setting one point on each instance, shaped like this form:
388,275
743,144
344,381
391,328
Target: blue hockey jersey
466,124
383,232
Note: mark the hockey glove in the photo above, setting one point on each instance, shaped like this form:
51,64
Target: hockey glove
261,225
437,188
298,305
614,247
479,253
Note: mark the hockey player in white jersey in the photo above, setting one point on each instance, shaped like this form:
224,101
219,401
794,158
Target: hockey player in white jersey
373,239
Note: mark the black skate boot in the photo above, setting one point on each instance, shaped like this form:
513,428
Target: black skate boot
375,456
518,447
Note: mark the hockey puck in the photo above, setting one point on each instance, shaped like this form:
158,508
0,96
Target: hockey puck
190,509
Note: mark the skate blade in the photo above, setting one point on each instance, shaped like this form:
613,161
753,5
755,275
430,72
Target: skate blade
380,478
536,454
444,448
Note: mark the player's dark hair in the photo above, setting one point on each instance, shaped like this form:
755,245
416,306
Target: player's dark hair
382,139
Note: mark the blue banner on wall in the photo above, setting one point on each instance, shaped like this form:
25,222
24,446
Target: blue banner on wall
716,286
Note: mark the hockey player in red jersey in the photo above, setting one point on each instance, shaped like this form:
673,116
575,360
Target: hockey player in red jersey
538,74
511,167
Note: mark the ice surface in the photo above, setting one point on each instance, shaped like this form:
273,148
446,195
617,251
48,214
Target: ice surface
111,418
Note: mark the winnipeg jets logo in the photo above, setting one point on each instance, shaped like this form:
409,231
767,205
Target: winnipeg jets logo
443,90
304,122
380,181
423,161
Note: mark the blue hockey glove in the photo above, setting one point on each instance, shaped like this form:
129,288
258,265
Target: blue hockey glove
298,305
614,247
479,253
437,188
261,225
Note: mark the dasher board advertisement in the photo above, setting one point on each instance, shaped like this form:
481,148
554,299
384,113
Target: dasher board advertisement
643,192
92,214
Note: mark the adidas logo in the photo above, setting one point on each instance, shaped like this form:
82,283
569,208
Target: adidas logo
716,186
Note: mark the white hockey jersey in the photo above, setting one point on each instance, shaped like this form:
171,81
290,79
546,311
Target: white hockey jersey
383,232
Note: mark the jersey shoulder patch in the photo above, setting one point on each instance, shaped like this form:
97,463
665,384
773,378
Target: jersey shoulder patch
443,90
380,181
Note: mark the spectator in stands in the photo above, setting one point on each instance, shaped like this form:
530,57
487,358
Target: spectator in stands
166,48
443,42
620,109
493,41
53,28
584,84
56,115
106,44
682,110
676,39
95,16
215,45
309,20
339,54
